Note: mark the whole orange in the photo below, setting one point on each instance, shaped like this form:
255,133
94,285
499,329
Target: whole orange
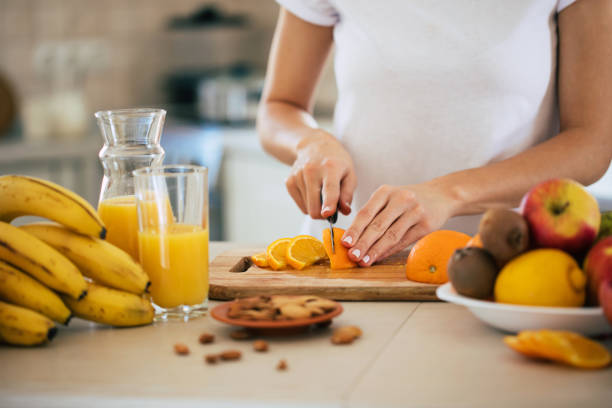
429,257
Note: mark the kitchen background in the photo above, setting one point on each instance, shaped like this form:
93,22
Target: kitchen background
62,60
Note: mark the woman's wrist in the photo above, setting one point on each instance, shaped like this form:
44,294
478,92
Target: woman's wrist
310,137
454,192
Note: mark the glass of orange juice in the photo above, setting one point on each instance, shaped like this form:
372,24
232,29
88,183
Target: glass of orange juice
172,206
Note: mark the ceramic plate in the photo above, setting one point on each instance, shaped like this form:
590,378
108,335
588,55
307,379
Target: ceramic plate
219,312
589,321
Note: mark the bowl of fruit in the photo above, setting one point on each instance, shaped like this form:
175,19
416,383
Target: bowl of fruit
546,266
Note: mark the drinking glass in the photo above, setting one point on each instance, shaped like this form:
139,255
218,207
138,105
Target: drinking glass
172,206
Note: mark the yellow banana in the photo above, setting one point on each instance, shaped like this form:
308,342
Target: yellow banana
111,306
22,195
24,327
39,260
19,289
97,259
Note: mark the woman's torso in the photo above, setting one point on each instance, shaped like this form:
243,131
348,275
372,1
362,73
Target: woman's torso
426,88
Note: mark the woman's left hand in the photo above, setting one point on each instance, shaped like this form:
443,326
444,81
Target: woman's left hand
393,218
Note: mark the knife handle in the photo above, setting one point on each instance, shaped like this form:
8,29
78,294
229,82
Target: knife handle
334,217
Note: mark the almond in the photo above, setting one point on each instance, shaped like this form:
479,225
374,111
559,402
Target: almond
230,355
294,311
206,338
260,345
282,365
211,358
181,349
346,335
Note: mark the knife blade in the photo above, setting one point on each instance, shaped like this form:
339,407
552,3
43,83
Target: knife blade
331,220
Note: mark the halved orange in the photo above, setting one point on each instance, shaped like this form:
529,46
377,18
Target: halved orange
276,253
260,260
305,250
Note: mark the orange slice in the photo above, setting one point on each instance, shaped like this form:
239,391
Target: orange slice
561,346
521,347
575,349
276,253
260,260
305,250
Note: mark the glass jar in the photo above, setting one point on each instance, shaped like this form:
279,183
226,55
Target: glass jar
131,141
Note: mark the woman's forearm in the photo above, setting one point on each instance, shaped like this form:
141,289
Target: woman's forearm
281,127
298,53
580,154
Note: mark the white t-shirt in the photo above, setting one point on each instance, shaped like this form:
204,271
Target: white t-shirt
426,88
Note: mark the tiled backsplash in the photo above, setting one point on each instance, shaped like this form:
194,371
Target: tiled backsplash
134,32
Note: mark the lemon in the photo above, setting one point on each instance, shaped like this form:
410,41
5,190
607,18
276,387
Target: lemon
542,277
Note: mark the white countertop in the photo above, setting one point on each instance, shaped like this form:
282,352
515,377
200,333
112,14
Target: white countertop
411,354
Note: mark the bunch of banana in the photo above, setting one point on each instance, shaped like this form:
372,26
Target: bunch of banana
42,266
96,259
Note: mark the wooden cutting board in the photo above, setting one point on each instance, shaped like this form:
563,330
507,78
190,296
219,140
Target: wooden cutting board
233,275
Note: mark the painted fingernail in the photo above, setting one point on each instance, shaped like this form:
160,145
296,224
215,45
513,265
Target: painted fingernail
356,253
347,240
366,259
325,209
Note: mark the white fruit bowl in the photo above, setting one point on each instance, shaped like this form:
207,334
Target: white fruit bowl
589,321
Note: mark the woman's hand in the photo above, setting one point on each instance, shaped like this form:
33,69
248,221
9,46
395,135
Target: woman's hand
322,168
393,218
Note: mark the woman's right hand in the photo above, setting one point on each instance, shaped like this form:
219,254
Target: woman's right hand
322,168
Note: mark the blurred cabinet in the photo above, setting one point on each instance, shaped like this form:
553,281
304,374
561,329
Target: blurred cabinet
257,208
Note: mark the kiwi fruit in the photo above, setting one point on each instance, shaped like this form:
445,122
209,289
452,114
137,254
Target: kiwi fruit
504,233
473,271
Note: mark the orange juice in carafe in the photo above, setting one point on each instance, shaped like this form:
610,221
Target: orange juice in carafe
176,259
120,215
131,141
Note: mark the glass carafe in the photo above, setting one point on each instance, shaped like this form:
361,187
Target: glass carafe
131,141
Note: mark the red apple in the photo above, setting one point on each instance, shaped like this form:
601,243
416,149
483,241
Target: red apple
561,214
605,298
598,267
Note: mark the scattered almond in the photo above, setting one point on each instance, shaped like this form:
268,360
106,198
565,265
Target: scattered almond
211,358
260,345
282,365
181,349
241,334
346,335
206,338
230,355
